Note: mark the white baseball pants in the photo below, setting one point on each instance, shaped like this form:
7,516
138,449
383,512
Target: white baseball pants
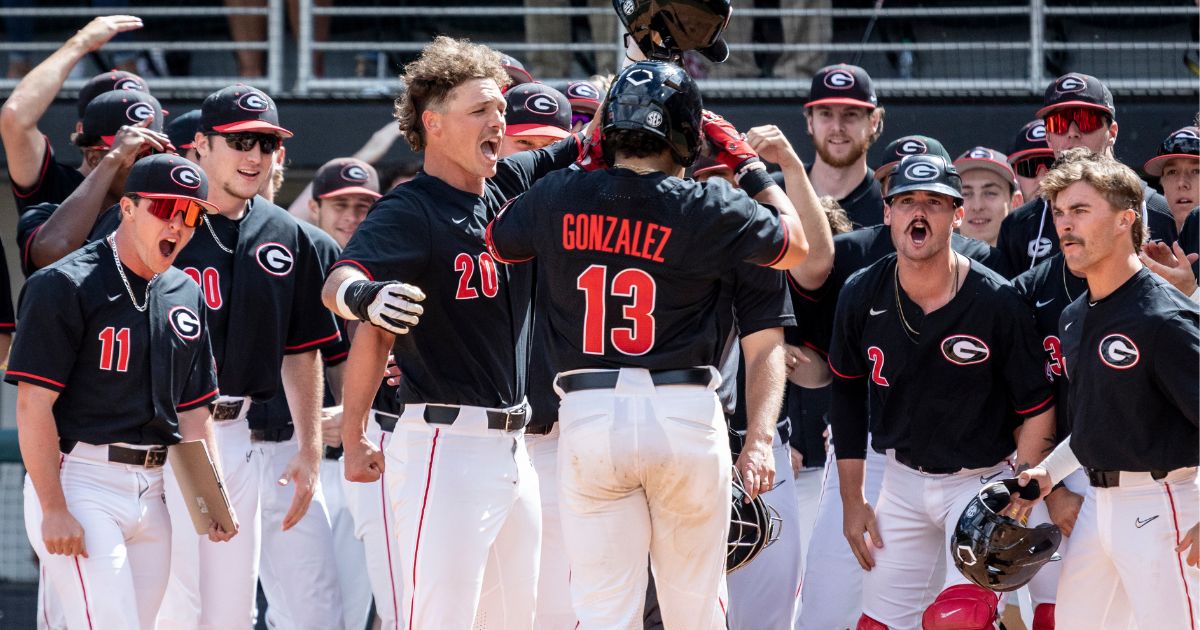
554,609
1043,588
348,551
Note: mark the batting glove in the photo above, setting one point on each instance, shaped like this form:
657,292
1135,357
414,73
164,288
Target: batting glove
731,147
391,306
591,156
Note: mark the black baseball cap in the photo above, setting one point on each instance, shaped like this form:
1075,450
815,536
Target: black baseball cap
107,82
908,145
240,108
345,176
705,164
110,111
536,109
1182,143
182,129
1030,142
583,96
165,176
1076,89
988,160
515,69
930,173
842,84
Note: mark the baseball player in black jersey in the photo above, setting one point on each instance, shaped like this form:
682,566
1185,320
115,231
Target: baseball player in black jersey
906,145
1177,165
1077,111
634,363
463,492
536,116
113,364
1030,156
1131,351
938,358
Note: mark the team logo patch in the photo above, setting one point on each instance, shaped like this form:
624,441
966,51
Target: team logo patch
1185,133
1119,352
1039,247
186,176
641,76
913,147
628,6
138,112
654,119
1036,132
254,102
980,154
274,258
129,83
965,350
355,173
583,90
839,80
922,172
1070,83
184,322
543,104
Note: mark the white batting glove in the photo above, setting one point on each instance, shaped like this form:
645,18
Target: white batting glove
391,306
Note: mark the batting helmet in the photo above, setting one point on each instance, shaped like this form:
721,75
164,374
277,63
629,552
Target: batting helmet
997,552
665,29
660,99
753,527
930,173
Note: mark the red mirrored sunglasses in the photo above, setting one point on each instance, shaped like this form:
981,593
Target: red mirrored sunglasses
1058,122
167,208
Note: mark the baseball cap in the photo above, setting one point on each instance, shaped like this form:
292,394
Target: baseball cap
516,70
165,176
908,145
1182,143
182,129
842,84
930,173
535,109
240,108
988,160
583,96
345,176
110,111
1030,141
1077,90
707,165
107,82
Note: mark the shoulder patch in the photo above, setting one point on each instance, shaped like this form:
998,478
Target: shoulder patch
184,322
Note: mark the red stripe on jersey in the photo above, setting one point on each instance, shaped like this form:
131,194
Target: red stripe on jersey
189,404
786,241
356,264
86,608
420,523
834,370
37,378
41,175
1036,408
1178,557
310,344
491,245
7,326
824,353
335,357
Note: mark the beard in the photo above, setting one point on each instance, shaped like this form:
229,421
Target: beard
856,150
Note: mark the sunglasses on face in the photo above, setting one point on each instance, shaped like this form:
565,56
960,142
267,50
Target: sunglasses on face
1033,166
245,141
1086,119
166,209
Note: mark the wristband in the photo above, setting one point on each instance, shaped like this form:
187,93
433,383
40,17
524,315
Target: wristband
755,180
343,310
1061,462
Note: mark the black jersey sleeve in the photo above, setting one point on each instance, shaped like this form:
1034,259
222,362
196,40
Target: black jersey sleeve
311,325
510,236
8,319
1176,371
848,404
1030,392
393,242
760,299
28,225
51,329
201,386
751,230
516,173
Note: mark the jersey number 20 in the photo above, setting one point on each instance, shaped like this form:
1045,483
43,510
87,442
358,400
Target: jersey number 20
635,339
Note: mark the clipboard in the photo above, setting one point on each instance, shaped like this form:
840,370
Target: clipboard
203,490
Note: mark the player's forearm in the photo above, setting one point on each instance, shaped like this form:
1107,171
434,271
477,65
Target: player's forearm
196,424
851,473
37,436
333,284
68,227
766,372
303,385
797,242
811,273
335,377
1036,439
38,89
364,371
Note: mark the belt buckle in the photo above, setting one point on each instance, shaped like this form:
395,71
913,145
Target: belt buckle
155,458
508,414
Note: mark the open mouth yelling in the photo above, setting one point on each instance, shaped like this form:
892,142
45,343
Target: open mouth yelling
918,231
490,149
167,246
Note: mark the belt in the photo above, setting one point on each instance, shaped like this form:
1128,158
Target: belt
386,421
544,429
226,410
504,420
607,379
153,457
1112,478
929,470
281,434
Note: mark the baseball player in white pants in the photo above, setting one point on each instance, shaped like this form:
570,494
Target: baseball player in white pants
554,609
1043,588
348,551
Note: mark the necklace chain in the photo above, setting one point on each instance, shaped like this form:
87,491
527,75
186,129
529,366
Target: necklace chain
1064,281
214,235
912,333
112,242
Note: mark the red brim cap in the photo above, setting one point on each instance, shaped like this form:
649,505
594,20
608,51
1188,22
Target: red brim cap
351,190
1000,168
206,204
841,101
885,170
711,169
1013,158
253,125
1041,113
1155,165
580,105
536,130
518,74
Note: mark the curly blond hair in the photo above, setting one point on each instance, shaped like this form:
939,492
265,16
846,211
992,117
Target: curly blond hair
443,65
1117,183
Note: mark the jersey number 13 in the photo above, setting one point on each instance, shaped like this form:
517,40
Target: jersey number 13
637,338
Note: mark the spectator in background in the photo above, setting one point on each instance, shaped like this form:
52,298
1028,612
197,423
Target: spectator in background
556,29
19,30
990,192
253,28
791,29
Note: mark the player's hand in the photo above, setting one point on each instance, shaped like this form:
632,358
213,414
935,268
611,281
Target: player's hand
1038,474
792,359
731,147
133,141
1191,545
771,145
591,155
62,534
1171,263
392,371
331,426
99,31
756,463
391,306
797,459
216,533
858,518
1063,506
362,460
302,473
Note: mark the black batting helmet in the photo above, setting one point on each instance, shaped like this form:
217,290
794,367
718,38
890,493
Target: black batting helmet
660,99
753,527
665,29
930,173
997,552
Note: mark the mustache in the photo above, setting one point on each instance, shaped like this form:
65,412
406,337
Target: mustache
1070,239
917,222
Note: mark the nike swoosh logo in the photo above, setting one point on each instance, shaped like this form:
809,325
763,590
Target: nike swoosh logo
114,298
1040,303
987,480
458,221
1139,523
874,312
1068,325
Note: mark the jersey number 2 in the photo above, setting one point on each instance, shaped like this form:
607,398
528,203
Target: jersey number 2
875,354
488,282
636,339
114,342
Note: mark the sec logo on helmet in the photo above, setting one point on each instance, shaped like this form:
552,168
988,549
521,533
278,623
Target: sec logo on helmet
184,322
965,350
275,259
1119,352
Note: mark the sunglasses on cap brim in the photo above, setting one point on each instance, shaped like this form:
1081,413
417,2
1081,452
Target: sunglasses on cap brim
1058,122
1033,166
166,208
246,140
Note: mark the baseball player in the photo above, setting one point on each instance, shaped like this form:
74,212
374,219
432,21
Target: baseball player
462,491
37,176
1177,166
113,364
990,192
1030,157
1077,111
181,131
537,116
906,145
947,354
585,99
1130,347
627,353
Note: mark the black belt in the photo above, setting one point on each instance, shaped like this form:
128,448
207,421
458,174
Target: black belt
226,410
928,470
281,434
544,429
1112,478
386,421
153,457
607,379
503,420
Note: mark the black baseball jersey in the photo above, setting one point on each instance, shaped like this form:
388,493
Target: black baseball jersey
1048,288
471,346
1189,237
633,263
953,398
121,375
1027,234
8,319
864,204
1133,362
56,181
